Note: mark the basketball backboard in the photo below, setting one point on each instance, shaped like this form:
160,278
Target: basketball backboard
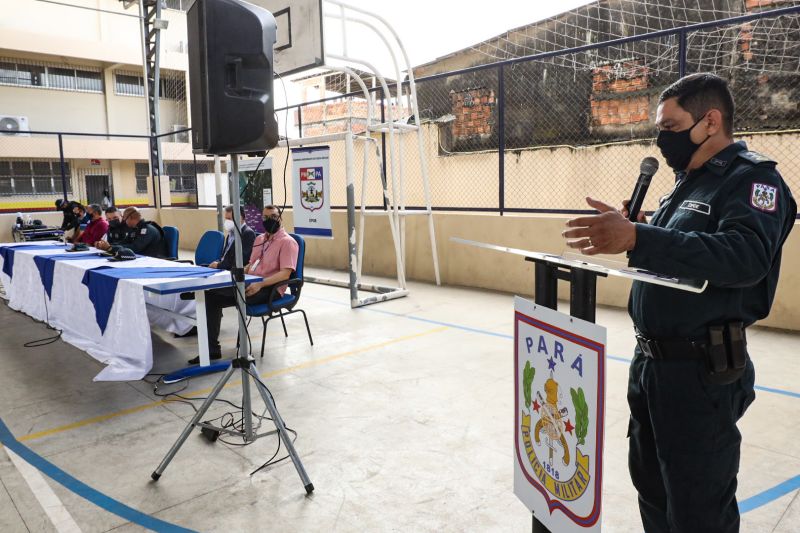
300,44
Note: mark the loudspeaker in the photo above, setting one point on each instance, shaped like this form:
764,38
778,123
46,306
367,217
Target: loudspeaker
230,77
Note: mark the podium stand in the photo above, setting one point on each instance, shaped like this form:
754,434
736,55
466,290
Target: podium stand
561,485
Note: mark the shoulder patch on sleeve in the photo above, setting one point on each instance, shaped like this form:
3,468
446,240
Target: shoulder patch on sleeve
755,157
764,197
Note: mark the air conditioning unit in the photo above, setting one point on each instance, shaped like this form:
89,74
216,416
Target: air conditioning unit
14,125
182,137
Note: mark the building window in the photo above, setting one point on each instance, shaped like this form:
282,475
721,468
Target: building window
171,87
129,85
183,174
142,173
60,77
181,5
32,177
86,80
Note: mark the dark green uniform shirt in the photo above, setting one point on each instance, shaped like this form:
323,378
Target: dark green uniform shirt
726,223
146,239
117,232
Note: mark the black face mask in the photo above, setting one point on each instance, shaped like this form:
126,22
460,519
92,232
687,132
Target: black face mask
271,225
677,147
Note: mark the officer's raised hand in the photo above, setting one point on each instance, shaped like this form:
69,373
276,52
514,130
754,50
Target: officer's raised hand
610,232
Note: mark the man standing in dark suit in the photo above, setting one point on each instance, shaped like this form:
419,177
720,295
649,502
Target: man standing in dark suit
225,262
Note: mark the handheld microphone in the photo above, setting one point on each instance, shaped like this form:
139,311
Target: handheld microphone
648,167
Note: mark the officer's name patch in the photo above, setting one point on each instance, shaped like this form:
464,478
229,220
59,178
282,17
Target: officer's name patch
764,197
700,207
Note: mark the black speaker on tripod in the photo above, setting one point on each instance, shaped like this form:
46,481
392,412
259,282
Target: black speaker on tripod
230,77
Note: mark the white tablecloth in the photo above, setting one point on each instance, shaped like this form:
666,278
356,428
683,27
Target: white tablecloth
126,345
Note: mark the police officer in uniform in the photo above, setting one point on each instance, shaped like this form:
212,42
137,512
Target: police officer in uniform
691,378
144,237
117,229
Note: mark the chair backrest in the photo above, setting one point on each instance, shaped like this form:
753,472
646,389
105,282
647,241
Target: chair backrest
171,238
301,256
209,248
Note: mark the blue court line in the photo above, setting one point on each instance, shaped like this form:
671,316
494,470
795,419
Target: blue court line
778,391
99,499
773,390
753,502
767,496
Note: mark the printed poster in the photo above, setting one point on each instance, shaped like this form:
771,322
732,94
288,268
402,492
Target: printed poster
255,189
311,192
559,407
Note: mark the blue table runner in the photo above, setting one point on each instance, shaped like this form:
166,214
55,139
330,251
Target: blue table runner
47,264
102,283
7,253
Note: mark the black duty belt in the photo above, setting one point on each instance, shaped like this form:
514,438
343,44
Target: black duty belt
671,348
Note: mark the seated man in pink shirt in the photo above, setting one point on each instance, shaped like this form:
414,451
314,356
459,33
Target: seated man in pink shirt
97,226
274,258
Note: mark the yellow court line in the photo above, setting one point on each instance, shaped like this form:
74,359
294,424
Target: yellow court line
201,392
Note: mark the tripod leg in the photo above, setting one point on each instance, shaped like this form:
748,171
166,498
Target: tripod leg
284,435
190,426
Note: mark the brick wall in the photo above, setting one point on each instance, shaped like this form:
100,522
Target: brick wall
333,117
620,94
751,5
473,110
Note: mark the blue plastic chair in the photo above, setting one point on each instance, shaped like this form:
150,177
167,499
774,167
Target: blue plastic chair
171,236
282,306
209,249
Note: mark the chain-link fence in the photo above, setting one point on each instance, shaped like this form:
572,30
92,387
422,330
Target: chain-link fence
36,168
540,133
528,134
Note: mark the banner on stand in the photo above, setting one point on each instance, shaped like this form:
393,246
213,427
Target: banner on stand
255,189
559,393
311,192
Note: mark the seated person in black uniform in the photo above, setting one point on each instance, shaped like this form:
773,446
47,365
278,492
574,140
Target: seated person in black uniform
82,217
70,221
117,229
229,250
146,238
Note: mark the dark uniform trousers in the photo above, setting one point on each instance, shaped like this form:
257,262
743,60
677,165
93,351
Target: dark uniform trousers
216,301
684,444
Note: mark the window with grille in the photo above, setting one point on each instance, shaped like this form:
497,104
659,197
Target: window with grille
50,76
171,87
32,177
183,174
142,173
128,84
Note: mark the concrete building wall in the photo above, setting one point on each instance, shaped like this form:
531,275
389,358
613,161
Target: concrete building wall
45,28
546,178
55,110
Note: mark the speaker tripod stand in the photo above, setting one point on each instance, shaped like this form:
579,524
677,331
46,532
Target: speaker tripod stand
246,366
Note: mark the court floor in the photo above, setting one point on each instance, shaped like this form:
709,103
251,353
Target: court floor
404,418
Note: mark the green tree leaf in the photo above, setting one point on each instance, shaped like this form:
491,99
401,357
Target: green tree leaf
527,380
581,414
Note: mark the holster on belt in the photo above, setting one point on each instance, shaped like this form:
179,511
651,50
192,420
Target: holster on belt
737,345
724,352
717,356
